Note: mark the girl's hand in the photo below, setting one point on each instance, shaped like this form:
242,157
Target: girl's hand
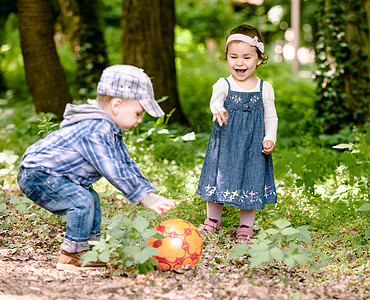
268,147
157,203
221,117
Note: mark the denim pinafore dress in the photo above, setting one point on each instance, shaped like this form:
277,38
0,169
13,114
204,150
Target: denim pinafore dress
235,171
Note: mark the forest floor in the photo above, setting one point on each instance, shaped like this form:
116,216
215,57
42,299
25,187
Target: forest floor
27,271
29,253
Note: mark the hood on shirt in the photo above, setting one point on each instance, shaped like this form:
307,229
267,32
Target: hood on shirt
76,113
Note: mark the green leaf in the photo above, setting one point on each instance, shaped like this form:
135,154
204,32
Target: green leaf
21,208
144,255
343,146
300,258
259,254
149,233
239,251
140,223
304,234
14,200
272,231
89,256
289,231
290,262
364,207
104,256
282,223
129,263
367,233
277,254
261,235
260,248
297,166
131,250
2,207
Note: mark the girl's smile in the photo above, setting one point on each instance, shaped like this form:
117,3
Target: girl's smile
242,61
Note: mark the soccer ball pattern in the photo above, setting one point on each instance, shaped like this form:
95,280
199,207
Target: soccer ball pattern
182,244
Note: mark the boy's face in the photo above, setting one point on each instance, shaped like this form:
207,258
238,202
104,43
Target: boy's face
127,113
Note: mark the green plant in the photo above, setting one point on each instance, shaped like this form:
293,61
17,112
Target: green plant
46,124
7,162
277,244
366,207
125,245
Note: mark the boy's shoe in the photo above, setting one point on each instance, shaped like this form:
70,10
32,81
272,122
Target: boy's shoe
73,261
244,234
210,225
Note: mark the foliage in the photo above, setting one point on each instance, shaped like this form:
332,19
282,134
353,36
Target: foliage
46,124
125,245
341,56
264,248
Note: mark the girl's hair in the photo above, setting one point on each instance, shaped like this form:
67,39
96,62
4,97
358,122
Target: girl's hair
251,32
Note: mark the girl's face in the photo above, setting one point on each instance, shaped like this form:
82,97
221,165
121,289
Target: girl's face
127,113
242,60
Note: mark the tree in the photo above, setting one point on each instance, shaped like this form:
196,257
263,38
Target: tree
6,8
44,73
148,43
80,21
343,64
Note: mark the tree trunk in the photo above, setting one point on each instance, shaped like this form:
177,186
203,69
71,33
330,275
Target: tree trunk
148,43
44,73
342,95
356,83
81,25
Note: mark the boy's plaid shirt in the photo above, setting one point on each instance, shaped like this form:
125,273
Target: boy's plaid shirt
86,151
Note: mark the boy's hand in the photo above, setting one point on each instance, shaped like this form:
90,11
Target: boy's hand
157,203
268,147
221,117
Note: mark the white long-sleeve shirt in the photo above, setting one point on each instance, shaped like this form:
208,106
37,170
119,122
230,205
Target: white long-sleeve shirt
219,94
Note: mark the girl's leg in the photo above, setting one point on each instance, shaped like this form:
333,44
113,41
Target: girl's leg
245,230
247,217
214,211
213,221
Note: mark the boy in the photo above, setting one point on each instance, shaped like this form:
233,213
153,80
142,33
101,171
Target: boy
57,172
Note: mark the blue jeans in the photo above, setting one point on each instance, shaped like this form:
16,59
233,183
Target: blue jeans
61,196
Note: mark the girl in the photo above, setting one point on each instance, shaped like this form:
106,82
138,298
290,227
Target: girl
237,169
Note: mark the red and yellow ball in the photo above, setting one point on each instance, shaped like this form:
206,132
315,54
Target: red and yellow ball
182,244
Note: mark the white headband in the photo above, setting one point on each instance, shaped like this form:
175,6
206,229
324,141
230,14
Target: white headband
247,39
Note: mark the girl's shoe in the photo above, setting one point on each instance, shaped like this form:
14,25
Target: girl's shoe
244,234
210,225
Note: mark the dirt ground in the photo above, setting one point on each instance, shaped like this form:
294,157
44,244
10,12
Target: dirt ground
27,271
